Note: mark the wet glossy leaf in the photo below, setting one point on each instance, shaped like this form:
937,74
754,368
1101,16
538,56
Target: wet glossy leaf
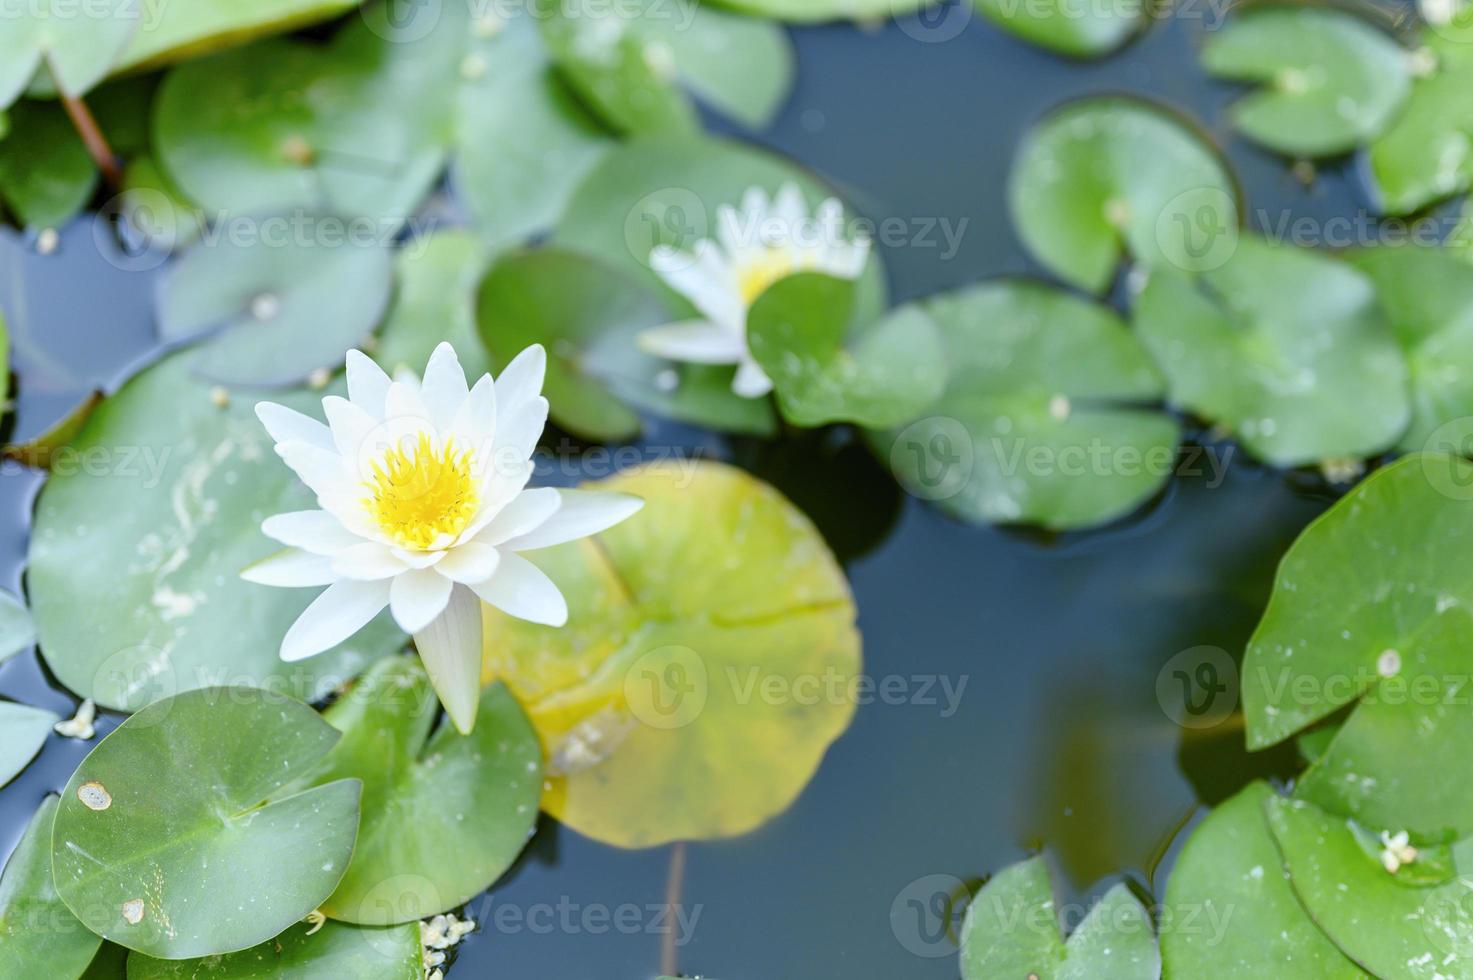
1068,27
163,842
434,301
39,936
23,730
1392,927
826,367
587,315
632,64
1427,294
1109,176
74,46
1427,154
273,312
444,815
1331,80
151,535
46,176
707,663
1012,930
1285,348
335,950
1047,415
17,631
1235,915
178,31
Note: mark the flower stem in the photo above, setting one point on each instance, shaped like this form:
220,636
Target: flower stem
674,886
92,138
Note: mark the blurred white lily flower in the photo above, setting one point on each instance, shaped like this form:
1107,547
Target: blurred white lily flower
755,246
424,509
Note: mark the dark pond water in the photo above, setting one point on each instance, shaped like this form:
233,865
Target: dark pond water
1027,665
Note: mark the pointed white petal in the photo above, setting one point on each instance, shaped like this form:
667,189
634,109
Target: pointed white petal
694,341
417,597
368,385
368,561
340,611
521,382
291,569
521,589
583,513
473,561
751,381
321,469
475,422
706,279
788,206
444,387
526,511
404,402
316,531
450,648
353,430
517,432
288,425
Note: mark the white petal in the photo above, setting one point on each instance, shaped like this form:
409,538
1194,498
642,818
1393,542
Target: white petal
521,381
473,561
450,648
517,433
291,569
444,387
583,513
321,469
368,385
417,597
404,402
526,511
475,423
368,561
789,207
342,610
751,381
354,431
705,278
694,341
288,425
521,589
316,531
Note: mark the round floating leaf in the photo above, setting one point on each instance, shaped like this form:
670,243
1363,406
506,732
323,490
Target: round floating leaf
631,64
178,31
1388,925
39,936
814,11
1246,922
1106,175
587,314
1427,294
148,531
1427,154
17,631
1012,930
1046,417
708,661
444,815
826,367
76,46
163,842
334,950
23,731
46,176
274,311
435,301
153,216
1332,80
1080,30
1286,348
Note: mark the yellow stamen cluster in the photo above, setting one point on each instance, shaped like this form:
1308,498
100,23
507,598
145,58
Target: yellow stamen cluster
421,492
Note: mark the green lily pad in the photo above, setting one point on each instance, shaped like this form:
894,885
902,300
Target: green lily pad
444,815
1012,930
818,11
1389,926
587,314
1245,920
1427,294
1106,176
148,528
39,936
23,730
154,215
631,64
74,46
708,661
1079,30
46,175
110,963
1286,348
17,630
179,31
1047,416
826,367
1427,154
163,842
1332,80
274,312
334,950
359,128
435,300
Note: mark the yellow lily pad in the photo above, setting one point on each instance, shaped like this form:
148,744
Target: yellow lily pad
709,660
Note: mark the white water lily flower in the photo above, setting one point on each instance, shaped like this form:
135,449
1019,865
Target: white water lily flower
755,246
424,509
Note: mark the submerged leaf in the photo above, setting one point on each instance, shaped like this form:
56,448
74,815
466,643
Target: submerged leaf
39,936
